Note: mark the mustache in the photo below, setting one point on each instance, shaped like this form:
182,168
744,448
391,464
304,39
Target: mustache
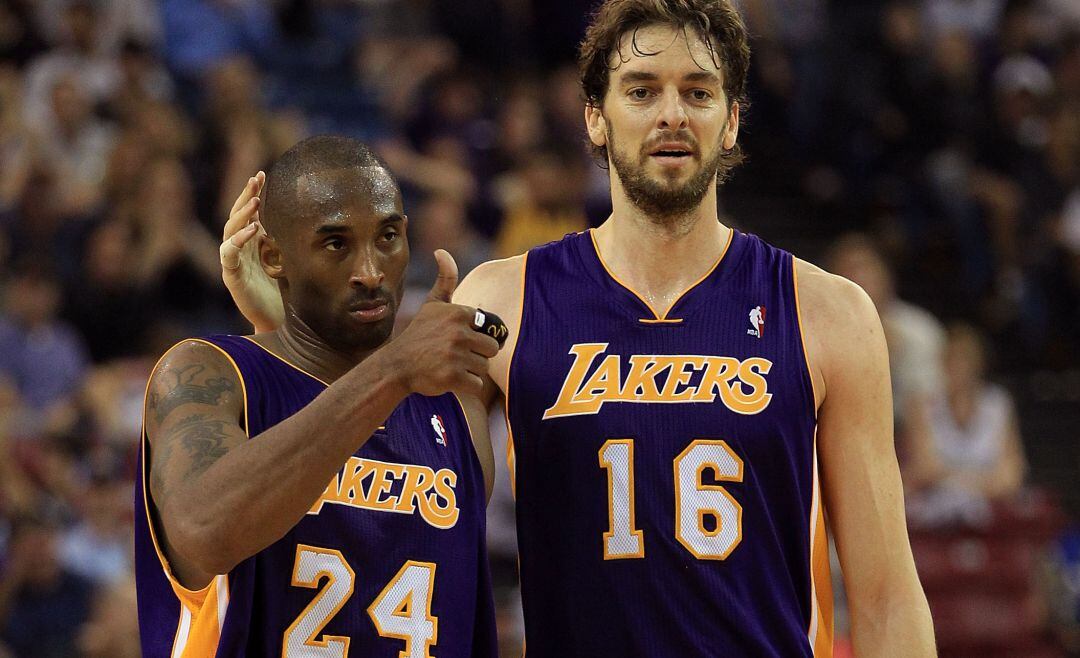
683,136
370,298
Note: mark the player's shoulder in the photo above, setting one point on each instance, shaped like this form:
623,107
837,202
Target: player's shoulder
838,317
192,359
823,293
494,285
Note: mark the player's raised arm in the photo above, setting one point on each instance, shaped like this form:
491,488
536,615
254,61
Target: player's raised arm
860,476
221,498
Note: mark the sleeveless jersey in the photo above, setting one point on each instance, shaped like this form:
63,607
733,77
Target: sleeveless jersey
665,467
391,560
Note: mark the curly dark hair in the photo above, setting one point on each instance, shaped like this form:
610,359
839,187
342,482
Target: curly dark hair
727,43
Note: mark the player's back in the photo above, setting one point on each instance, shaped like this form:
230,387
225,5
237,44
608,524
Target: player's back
391,559
665,468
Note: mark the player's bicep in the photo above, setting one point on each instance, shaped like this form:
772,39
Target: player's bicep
194,411
860,474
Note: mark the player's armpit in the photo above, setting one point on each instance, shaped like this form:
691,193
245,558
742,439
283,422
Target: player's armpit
193,413
859,472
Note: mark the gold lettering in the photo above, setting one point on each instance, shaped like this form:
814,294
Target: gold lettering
417,480
751,373
440,516
567,403
718,370
680,376
640,383
384,477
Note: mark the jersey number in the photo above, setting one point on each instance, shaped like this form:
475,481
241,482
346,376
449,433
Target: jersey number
697,505
402,610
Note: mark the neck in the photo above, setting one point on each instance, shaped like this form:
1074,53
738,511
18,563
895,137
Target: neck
660,260
298,344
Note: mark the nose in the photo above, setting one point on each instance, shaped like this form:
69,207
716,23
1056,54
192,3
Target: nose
368,270
672,112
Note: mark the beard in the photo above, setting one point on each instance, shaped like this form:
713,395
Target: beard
665,199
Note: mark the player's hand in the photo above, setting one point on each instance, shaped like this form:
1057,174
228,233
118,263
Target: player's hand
254,293
441,350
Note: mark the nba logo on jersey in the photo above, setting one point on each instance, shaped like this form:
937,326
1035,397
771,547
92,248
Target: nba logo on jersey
757,319
440,429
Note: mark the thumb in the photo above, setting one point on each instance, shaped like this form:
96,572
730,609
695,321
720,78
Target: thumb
447,279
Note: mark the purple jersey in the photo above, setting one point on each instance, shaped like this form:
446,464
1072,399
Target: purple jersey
665,466
390,561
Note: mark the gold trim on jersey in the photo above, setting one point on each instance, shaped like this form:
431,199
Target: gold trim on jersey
657,317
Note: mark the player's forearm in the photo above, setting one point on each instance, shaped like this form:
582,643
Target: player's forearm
255,493
897,624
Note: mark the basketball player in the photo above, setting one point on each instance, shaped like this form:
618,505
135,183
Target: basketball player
686,401
316,491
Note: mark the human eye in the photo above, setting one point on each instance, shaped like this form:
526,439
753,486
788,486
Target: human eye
639,93
390,235
334,244
700,95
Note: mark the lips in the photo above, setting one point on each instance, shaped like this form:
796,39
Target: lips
370,311
672,150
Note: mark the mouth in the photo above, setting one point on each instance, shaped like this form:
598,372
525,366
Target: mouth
370,311
672,154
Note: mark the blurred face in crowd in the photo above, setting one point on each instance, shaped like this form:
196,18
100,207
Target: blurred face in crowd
665,119
965,361
33,300
859,262
342,257
69,103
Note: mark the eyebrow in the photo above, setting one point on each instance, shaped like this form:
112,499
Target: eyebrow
331,227
645,76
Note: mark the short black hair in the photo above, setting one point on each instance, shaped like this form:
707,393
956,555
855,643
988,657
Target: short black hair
311,156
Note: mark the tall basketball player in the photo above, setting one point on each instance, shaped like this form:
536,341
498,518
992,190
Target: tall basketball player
687,403
315,491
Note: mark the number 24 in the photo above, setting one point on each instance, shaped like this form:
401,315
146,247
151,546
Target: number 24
396,611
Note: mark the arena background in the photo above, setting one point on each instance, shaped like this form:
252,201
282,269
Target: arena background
929,150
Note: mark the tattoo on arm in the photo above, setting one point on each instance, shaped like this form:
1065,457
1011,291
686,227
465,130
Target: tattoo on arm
184,390
204,441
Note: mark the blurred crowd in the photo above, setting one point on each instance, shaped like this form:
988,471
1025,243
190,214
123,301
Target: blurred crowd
928,150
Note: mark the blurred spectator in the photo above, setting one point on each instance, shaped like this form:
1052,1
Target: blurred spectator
16,156
543,201
112,631
964,448
98,547
42,605
914,336
241,135
173,258
74,147
19,39
441,222
106,301
43,356
76,55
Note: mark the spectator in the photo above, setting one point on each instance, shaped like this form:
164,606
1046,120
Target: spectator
964,448
914,336
42,605
41,354
98,547
542,201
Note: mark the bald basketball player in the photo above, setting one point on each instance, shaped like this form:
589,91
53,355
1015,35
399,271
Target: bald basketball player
316,490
